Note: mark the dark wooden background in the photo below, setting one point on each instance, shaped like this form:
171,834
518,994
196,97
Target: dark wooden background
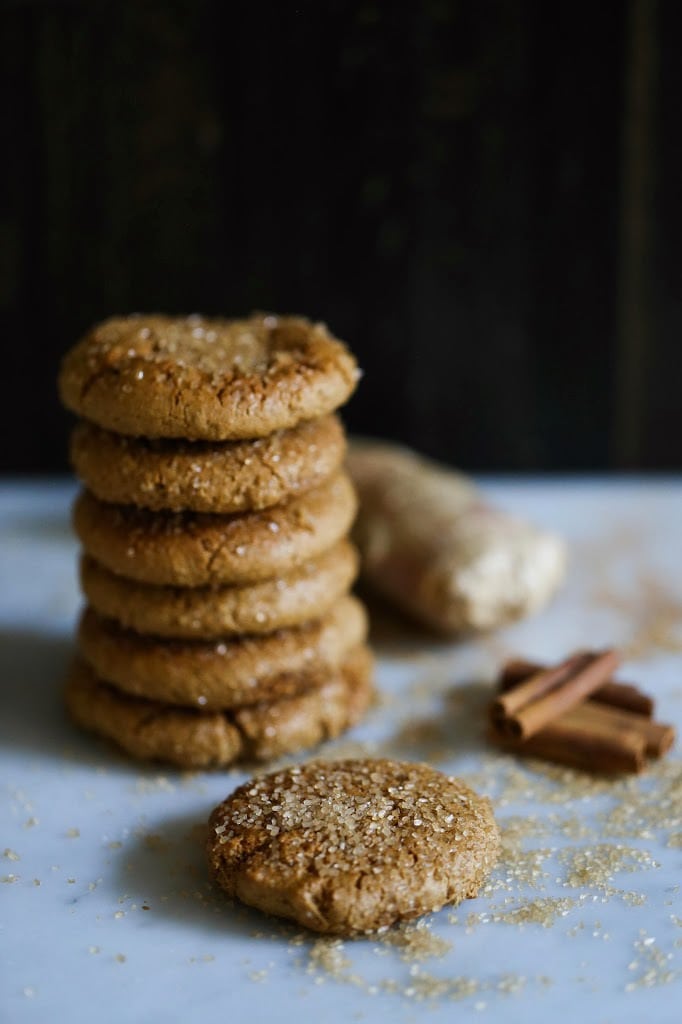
483,198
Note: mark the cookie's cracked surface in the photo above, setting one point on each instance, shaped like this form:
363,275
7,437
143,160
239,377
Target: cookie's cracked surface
207,476
350,847
194,549
218,674
304,594
206,379
154,731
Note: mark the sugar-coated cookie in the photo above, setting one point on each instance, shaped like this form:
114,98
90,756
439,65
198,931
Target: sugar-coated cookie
202,379
194,549
207,476
220,674
306,593
150,730
350,847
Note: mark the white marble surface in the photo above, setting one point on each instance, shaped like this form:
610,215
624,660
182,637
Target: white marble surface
106,912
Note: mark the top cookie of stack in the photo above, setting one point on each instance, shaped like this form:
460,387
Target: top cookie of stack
215,517
210,380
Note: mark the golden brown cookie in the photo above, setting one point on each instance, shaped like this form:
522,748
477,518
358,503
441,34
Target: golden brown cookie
332,703
204,476
195,549
208,612
149,730
190,377
220,674
349,847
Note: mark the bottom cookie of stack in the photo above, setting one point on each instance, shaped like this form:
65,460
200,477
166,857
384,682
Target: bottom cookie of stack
334,700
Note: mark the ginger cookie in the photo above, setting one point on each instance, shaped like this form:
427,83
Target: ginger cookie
204,476
201,379
220,674
336,700
306,593
350,847
195,549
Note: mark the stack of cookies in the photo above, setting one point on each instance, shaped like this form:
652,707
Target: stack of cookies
214,524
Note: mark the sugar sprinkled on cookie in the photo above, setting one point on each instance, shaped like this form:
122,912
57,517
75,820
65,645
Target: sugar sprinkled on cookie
207,476
351,847
307,592
195,549
210,379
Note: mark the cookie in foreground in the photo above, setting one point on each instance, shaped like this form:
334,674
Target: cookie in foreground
351,847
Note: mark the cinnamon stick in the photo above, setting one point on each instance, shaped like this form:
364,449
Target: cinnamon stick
537,702
597,739
537,683
580,740
554,713
658,737
614,694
